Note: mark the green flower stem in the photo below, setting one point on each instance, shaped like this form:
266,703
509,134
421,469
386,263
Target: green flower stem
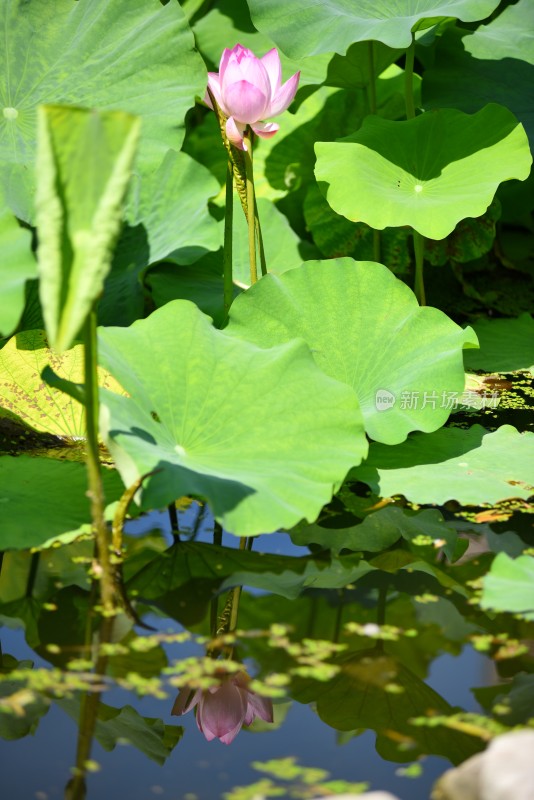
408,80
419,250
259,236
228,285
96,491
251,207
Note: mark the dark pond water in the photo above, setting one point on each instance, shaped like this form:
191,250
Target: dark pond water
439,659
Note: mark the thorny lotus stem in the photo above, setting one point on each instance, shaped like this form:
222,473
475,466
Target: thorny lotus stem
419,250
96,491
228,286
235,155
251,213
408,80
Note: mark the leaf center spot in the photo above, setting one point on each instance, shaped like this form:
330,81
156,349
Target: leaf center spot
180,450
418,187
10,113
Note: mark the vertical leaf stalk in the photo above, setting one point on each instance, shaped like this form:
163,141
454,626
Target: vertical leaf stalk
418,240
228,286
419,250
371,99
96,490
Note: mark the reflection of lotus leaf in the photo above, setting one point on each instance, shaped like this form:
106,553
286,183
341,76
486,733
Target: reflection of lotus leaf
375,690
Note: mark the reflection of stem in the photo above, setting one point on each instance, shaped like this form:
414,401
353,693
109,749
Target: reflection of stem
96,491
173,517
251,207
419,250
214,606
228,286
32,574
76,787
339,614
236,593
381,605
408,80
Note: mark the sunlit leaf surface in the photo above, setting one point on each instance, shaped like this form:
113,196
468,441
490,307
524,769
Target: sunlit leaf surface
429,172
303,28
263,435
137,57
365,328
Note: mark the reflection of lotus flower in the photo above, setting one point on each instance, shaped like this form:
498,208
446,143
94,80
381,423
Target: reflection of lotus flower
248,89
223,709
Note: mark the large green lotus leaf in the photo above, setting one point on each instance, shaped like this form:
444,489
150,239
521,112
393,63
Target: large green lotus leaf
365,328
458,80
25,396
302,28
223,567
44,500
379,530
429,172
133,55
509,585
84,160
17,265
228,22
510,35
471,466
157,205
505,345
263,435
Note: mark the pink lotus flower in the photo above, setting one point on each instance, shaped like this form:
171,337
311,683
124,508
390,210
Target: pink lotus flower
222,710
248,89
